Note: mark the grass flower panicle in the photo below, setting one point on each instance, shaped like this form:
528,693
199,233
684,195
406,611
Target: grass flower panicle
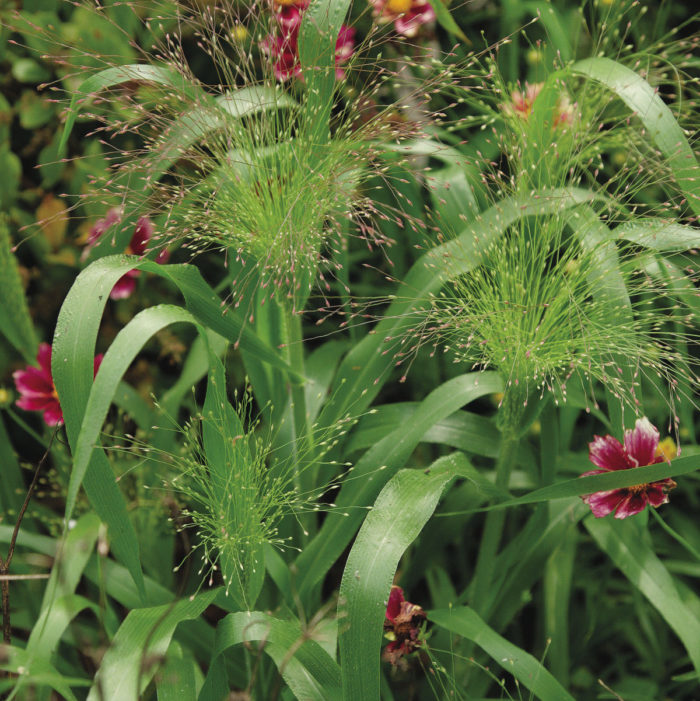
641,447
564,294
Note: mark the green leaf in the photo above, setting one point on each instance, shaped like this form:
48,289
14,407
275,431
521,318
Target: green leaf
378,465
72,557
465,622
659,235
657,118
12,487
176,682
447,20
72,369
624,543
27,70
320,25
194,125
310,672
469,432
15,322
41,673
401,510
117,75
125,347
140,643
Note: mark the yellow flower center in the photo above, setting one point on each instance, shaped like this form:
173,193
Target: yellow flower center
399,7
666,449
285,3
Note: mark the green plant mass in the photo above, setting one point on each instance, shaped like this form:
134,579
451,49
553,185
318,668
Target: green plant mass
349,350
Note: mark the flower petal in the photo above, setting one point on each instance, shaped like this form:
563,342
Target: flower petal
53,416
143,231
43,357
37,403
608,453
33,382
641,442
603,503
125,285
657,492
632,504
393,606
409,23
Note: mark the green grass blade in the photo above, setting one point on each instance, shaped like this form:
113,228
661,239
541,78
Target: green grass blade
657,118
117,75
142,639
659,235
177,681
12,483
465,622
447,21
310,672
624,543
126,346
15,322
42,673
319,30
398,515
464,430
378,465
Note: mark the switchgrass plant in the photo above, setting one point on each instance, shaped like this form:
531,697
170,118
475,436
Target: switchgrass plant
567,292
560,220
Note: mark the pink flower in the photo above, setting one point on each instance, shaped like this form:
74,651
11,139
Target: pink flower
138,246
403,625
641,448
407,15
344,46
37,389
283,51
283,48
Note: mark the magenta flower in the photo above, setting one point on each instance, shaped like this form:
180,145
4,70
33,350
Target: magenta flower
641,448
407,15
37,390
402,625
283,48
138,246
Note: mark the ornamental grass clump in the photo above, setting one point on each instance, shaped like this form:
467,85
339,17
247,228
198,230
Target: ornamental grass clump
270,168
580,281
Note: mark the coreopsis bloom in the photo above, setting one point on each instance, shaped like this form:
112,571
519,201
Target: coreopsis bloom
641,448
402,625
138,246
408,16
37,390
283,47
